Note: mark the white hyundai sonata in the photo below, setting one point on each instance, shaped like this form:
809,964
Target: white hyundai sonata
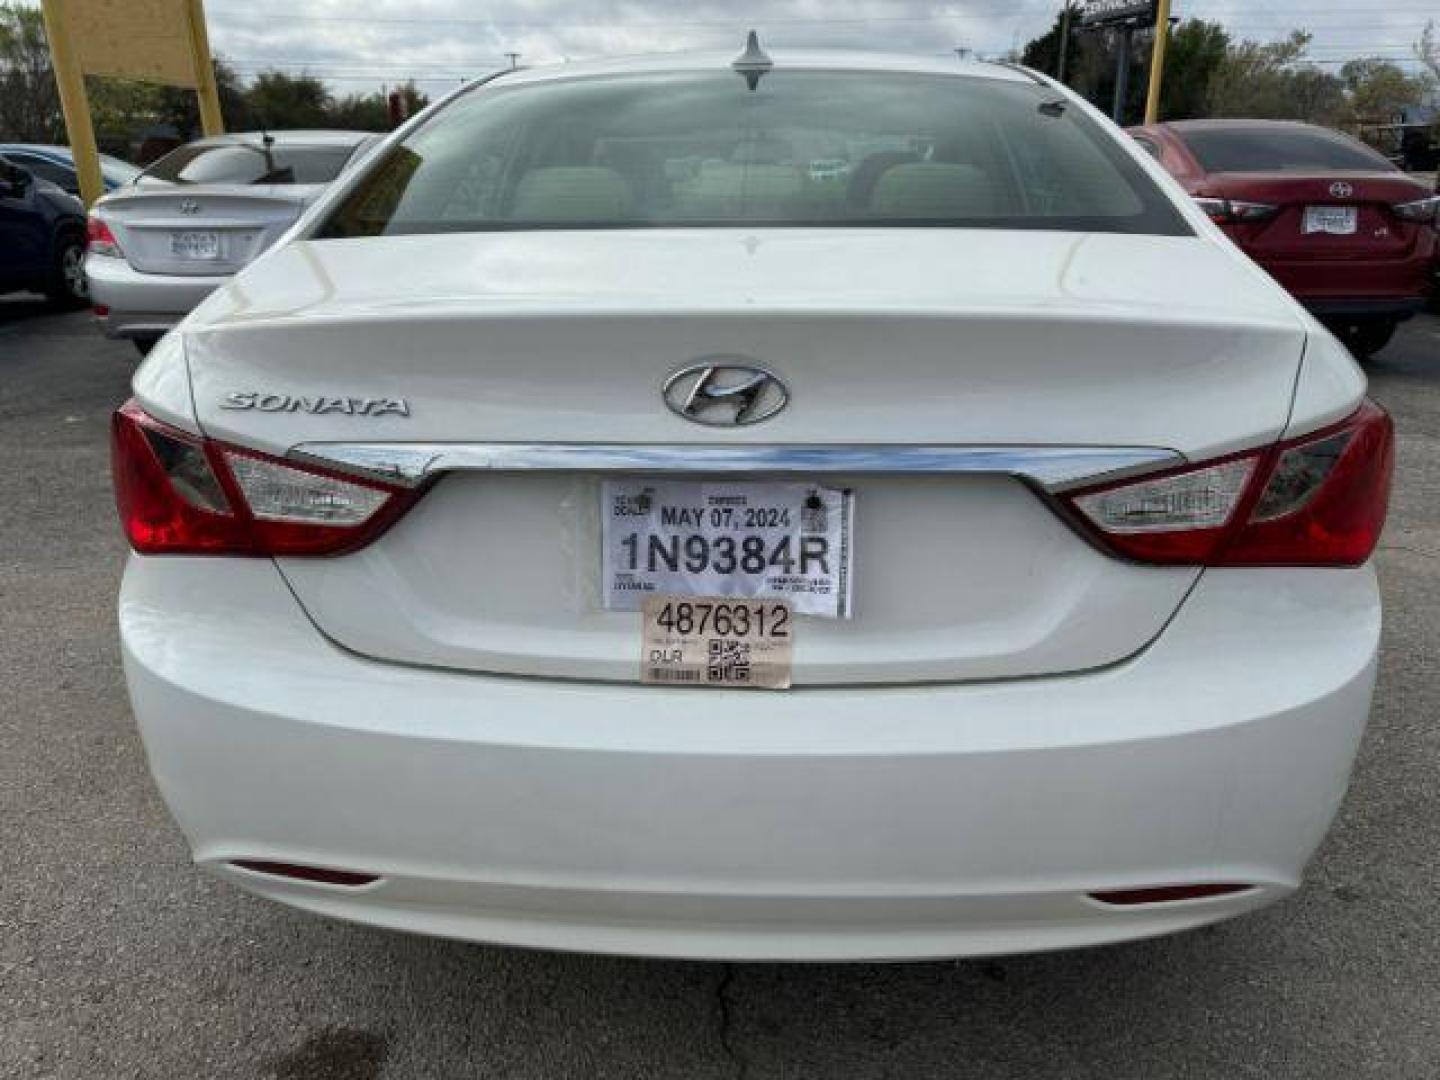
809,507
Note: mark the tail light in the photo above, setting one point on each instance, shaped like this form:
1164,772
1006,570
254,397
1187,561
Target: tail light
1225,210
1419,210
1318,500
99,240
180,494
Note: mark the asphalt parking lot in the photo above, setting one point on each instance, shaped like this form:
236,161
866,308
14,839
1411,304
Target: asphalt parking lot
117,959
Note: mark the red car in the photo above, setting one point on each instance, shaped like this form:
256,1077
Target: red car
1349,234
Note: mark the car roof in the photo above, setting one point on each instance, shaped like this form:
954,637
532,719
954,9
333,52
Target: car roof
315,137
62,152
783,60
1238,124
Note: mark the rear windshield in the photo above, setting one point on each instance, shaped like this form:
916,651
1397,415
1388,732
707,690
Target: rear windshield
800,148
1279,149
243,163
117,171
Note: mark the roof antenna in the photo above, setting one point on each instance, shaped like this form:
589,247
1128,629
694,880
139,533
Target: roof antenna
753,63
267,146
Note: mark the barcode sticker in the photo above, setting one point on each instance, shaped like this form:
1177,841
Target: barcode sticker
715,641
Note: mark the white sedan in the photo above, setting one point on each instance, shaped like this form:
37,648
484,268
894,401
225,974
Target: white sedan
586,530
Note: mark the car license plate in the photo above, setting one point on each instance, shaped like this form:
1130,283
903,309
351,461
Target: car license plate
1336,220
732,539
195,245
712,641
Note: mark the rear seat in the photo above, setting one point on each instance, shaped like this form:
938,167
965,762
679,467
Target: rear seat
725,189
573,193
926,189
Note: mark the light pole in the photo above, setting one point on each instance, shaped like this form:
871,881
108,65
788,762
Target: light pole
1064,40
1122,73
1157,61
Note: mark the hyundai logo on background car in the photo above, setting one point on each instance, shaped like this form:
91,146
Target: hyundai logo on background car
1341,190
189,206
725,395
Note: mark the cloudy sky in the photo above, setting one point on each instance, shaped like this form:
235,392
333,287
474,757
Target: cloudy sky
439,42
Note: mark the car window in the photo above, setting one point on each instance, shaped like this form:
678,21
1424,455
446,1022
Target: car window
1279,149
243,163
1150,146
361,148
801,148
117,171
10,170
45,169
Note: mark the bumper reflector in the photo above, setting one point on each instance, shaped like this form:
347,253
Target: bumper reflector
1166,894
314,874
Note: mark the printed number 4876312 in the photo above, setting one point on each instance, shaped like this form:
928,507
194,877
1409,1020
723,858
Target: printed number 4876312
741,620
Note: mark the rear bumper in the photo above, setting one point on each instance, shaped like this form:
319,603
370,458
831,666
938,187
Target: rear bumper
815,824
1363,308
1382,288
139,304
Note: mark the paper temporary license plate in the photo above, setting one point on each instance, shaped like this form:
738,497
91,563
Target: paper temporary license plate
195,245
1336,220
712,641
727,538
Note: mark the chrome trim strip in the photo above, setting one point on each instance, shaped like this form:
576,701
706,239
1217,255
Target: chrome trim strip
1052,467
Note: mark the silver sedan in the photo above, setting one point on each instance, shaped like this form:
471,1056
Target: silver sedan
199,214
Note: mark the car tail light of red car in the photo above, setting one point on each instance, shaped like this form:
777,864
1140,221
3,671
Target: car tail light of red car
1419,210
1223,210
100,240
1318,500
178,493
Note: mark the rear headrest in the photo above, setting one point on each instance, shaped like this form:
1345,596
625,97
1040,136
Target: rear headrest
762,152
572,193
725,190
932,190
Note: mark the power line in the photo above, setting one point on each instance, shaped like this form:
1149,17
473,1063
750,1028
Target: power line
1229,16
1047,7
1245,19
494,61
972,12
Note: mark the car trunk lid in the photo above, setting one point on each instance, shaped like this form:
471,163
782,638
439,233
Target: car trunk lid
885,339
204,231
1378,232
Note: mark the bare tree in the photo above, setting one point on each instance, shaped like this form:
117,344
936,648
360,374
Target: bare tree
1427,49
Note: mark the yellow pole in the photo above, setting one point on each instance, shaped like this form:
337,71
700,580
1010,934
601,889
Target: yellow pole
1157,61
70,80
211,122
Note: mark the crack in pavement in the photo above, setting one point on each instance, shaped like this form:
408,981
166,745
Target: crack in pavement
727,1023
1411,550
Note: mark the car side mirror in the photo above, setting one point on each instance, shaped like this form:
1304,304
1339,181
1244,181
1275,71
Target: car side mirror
14,181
